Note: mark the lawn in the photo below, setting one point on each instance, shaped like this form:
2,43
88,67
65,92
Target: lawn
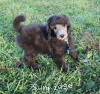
83,77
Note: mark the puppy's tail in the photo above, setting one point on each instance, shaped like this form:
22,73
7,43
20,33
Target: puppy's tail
17,21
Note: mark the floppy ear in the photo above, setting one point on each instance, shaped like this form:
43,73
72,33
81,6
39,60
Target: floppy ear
45,33
69,28
68,25
66,18
51,31
49,26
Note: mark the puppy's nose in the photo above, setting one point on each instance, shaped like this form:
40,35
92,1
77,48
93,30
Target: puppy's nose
62,35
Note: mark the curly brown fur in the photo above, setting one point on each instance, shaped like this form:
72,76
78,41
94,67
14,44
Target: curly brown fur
45,39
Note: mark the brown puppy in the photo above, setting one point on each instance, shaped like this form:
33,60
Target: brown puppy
53,39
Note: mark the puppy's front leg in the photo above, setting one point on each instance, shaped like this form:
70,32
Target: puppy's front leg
72,52
30,60
60,62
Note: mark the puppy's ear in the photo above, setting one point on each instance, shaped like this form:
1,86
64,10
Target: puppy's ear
49,21
68,24
45,33
69,27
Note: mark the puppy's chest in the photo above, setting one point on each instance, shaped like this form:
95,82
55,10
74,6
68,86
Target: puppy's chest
59,47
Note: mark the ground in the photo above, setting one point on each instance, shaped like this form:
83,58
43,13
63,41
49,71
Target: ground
83,77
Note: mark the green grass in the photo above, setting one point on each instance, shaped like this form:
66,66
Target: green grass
81,78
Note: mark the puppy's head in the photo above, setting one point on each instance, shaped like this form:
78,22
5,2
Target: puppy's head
59,26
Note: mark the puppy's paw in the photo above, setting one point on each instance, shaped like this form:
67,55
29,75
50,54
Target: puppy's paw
36,66
76,56
64,70
19,64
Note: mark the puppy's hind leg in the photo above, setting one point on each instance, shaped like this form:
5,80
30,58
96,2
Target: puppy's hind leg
30,60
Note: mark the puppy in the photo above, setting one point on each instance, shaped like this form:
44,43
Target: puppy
53,38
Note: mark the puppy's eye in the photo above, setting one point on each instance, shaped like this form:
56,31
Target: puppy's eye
68,26
55,28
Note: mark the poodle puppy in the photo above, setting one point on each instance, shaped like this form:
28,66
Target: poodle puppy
53,38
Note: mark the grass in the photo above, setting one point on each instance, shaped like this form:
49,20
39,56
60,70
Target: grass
82,77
